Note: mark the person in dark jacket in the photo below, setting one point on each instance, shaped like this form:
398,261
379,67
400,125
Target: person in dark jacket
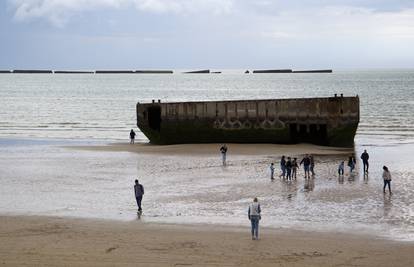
351,163
294,167
223,151
289,169
283,167
306,164
132,136
365,157
139,193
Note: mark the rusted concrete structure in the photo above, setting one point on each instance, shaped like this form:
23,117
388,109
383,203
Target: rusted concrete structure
330,121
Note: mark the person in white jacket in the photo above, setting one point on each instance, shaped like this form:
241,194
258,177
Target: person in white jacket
386,175
254,217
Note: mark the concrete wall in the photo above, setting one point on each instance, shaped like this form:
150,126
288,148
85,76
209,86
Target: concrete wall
334,111
330,121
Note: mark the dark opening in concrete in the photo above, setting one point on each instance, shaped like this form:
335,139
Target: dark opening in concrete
315,134
154,118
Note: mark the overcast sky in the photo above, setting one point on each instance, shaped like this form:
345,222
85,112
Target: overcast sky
217,34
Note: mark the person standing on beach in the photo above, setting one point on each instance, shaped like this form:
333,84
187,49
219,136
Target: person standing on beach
223,151
132,136
351,163
312,165
306,164
341,168
386,175
272,171
365,157
139,193
289,169
283,167
294,167
254,217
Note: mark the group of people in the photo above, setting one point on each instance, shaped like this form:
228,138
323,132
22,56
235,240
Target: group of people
289,169
352,164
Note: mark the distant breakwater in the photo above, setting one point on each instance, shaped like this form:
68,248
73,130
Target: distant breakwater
206,71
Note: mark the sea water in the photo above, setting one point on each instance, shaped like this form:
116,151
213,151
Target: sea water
42,114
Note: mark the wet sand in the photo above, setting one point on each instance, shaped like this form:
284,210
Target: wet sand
54,241
213,149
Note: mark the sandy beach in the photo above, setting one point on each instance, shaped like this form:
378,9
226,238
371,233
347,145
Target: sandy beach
54,241
195,209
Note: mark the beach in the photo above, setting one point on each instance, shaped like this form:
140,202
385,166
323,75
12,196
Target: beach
67,173
59,241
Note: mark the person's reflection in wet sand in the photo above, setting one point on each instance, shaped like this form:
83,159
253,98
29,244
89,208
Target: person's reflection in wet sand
341,179
387,204
366,177
309,185
351,178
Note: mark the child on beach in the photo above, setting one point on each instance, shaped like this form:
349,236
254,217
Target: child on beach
312,165
341,168
295,167
272,171
351,164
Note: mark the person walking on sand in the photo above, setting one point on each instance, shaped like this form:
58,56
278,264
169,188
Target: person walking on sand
272,171
306,164
289,169
254,217
283,167
341,168
132,136
386,175
351,163
139,193
365,157
312,165
294,167
223,151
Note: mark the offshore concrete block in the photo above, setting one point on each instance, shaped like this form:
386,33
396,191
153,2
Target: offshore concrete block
325,121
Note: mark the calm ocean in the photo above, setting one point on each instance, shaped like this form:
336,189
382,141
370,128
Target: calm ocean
41,114
103,106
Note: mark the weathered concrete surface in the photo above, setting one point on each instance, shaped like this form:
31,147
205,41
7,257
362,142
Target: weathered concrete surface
273,71
32,71
73,72
329,121
113,71
153,71
312,71
197,71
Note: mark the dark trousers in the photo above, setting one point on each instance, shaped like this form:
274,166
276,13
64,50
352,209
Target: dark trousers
366,165
288,173
255,225
139,200
387,182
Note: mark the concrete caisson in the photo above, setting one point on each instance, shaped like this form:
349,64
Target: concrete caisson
330,121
